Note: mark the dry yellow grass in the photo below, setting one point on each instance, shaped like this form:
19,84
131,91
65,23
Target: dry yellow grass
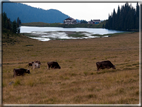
77,82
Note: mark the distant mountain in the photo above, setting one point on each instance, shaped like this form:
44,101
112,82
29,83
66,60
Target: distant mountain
30,14
1,4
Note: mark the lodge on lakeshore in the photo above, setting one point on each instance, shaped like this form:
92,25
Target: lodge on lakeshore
73,21
94,21
70,21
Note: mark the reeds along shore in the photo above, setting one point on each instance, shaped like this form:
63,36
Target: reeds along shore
77,82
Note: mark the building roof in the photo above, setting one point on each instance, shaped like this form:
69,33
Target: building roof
97,20
69,18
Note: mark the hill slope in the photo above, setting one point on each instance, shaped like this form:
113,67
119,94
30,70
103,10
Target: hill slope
30,14
78,81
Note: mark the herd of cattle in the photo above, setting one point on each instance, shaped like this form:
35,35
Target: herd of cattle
55,65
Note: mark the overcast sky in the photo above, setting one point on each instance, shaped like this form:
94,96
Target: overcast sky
81,11
86,11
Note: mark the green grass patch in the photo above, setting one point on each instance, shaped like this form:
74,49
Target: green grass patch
31,83
17,82
77,34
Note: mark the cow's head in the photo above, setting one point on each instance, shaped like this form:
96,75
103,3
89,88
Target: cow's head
30,63
113,67
28,71
57,67
39,63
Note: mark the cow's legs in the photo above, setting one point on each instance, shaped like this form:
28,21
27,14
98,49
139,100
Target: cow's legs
14,73
97,68
48,67
34,66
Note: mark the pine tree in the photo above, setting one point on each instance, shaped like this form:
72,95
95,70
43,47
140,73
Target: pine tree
4,20
137,17
114,19
18,25
118,26
8,24
14,26
126,18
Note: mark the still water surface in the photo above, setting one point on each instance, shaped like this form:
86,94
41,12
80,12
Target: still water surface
51,33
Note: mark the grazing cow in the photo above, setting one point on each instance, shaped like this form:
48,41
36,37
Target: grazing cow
104,64
53,65
20,71
35,65
31,63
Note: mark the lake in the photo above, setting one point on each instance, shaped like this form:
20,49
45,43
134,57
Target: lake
53,33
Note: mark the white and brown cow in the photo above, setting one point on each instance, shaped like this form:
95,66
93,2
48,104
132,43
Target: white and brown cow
35,64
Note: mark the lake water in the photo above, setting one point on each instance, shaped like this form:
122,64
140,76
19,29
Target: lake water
52,33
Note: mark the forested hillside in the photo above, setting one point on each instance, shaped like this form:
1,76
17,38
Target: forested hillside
126,18
8,25
30,14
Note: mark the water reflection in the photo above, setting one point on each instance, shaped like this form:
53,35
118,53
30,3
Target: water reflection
53,33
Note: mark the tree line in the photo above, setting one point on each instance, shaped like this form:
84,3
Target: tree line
126,18
9,25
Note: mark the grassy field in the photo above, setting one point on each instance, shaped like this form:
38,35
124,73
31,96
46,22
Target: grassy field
77,82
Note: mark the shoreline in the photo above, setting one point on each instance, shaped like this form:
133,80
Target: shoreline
66,35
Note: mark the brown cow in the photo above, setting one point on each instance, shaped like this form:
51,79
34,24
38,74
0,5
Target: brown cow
53,65
20,71
104,64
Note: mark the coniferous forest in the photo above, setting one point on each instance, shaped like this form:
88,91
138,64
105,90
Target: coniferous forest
126,18
9,25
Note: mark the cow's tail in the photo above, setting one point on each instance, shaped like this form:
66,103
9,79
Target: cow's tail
13,72
97,64
48,67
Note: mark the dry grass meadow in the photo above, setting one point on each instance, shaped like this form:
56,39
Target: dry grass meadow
77,82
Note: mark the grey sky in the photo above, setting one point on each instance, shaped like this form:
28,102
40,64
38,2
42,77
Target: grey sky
85,11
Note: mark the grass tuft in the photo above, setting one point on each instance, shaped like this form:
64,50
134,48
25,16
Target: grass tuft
17,82
31,83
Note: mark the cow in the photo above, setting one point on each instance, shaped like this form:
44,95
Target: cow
104,64
20,71
53,65
35,64
30,63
